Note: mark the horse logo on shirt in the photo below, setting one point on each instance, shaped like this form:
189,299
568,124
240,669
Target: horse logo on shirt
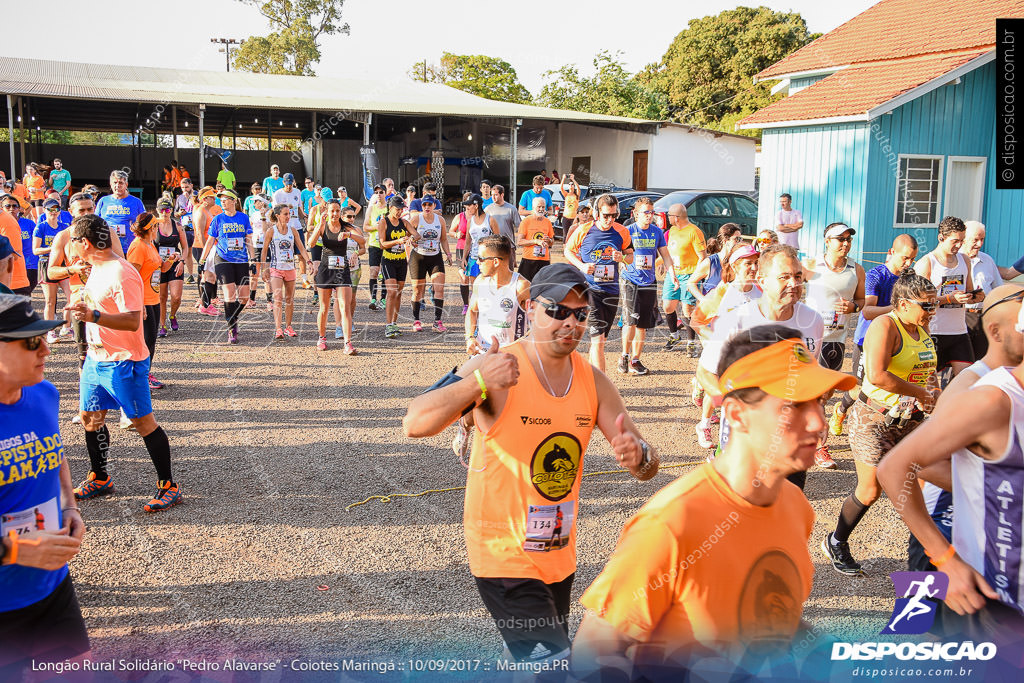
555,465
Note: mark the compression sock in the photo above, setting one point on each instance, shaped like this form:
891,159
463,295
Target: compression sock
204,294
415,310
847,402
687,330
673,322
159,452
373,289
438,308
232,309
97,444
464,291
849,517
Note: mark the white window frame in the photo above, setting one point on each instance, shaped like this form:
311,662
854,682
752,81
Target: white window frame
981,189
939,185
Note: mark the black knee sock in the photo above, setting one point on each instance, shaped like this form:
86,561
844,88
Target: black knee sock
231,311
673,322
373,288
847,402
159,452
416,310
97,444
252,294
687,330
438,308
849,517
202,288
204,294
464,291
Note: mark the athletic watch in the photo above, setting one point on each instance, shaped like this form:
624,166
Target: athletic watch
96,316
645,451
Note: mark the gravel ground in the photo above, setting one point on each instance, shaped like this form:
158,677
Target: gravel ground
271,442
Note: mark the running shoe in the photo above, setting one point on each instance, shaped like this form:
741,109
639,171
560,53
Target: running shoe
696,392
51,337
322,343
174,323
77,419
305,283
390,332
623,364
316,299
673,341
705,435
92,487
465,309
439,327
64,333
822,458
637,368
714,419
125,422
270,305
154,383
279,334
162,333
191,279
398,330
373,305
350,350
338,333
167,494
835,423
694,349
232,337
417,326
839,555
289,331
210,310
619,324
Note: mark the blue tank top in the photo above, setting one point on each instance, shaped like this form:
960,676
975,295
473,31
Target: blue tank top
714,274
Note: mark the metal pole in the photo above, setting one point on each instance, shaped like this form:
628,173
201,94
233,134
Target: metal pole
312,148
366,129
512,165
10,131
202,147
174,128
269,141
21,133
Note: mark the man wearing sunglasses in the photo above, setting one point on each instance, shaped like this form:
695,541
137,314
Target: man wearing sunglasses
687,246
41,528
500,299
536,402
597,249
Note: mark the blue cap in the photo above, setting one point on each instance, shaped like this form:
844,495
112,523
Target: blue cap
5,248
429,199
289,179
326,193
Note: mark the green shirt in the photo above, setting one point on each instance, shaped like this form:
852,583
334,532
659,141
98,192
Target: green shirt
226,177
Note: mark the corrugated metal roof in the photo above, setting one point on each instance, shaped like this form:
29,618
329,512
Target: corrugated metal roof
125,83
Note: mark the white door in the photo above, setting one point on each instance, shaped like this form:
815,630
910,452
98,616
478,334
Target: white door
965,188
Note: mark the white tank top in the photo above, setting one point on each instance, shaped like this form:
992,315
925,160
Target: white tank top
949,318
352,252
259,227
281,252
825,289
499,311
735,297
988,499
430,236
478,231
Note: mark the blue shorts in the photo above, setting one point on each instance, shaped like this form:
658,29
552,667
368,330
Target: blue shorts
120,384
472,268
669,291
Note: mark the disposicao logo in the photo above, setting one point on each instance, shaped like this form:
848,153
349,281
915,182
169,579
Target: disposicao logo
917,594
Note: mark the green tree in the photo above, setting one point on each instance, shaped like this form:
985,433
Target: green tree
292,46
480,75
707,72
610,90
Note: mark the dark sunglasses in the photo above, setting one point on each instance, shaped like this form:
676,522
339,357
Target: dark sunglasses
609,215
30,343
926,306
560,312
10,207
379,192
842,240
1016,296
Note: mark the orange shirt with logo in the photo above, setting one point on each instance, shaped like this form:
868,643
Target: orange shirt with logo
685,242
534,228
10,229
201,225
700,564
522,491
36,187
146,259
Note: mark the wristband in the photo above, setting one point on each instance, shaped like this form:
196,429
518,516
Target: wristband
944,558
12,556
483,387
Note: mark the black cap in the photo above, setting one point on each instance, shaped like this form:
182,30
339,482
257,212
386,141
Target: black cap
18,320
474,199
51,204
164,203
554,282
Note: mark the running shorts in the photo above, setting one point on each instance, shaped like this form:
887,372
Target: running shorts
120,384
229,273
639,305
394,269
529,613
603,307
528,268
421,267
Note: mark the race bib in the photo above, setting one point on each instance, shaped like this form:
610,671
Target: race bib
154,280
834,320
643,261
42,517
353,261
234,243
950,284
119,230
604,272
335,262
186,220
548,527
166,253
540,250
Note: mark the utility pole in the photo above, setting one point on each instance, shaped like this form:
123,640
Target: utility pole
227,43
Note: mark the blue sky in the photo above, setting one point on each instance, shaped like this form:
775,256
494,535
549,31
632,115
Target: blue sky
384,42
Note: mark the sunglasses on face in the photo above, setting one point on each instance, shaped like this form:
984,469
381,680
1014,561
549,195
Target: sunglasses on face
926,306
560,312
165,210
843,240
30,344
608,215
648,212
10,207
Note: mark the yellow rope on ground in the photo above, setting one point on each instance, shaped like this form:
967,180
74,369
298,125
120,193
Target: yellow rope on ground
387,498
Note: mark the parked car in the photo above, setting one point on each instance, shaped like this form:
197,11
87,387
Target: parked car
626,201
710,210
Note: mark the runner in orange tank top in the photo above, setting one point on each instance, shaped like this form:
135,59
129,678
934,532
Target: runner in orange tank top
535,403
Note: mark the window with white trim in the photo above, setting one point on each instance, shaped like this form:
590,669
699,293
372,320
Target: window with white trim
919,191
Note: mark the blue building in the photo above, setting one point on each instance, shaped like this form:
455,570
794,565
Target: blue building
888,124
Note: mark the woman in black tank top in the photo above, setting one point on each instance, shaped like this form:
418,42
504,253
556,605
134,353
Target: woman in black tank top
334,272
173,246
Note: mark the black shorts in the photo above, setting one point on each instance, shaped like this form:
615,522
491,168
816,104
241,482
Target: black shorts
190,238
229,273
42,268
196,253
639,305
832,355
603,307
169,276
979,343
394,269
33,279
316,253
376,256
50,630
329,278
858,362
421,267
529,267
953,347
529,612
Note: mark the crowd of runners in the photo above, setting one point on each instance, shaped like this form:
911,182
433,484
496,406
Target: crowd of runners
768,328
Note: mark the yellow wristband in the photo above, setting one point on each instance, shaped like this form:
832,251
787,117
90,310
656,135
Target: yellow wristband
944,558
483,387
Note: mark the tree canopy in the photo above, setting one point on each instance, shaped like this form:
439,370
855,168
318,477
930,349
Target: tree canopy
609,90
489,77
292,46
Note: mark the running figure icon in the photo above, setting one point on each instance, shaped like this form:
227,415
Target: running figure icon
916,605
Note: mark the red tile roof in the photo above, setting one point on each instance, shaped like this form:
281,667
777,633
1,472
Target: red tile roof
858,89
894,29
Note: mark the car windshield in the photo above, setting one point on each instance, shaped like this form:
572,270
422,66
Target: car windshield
677,197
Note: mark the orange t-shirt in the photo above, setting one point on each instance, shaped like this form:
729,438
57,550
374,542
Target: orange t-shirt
525,471
685,242
10,229
114,287
20,191
700,564
36,186
534,228
146,259
175,177
201,224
